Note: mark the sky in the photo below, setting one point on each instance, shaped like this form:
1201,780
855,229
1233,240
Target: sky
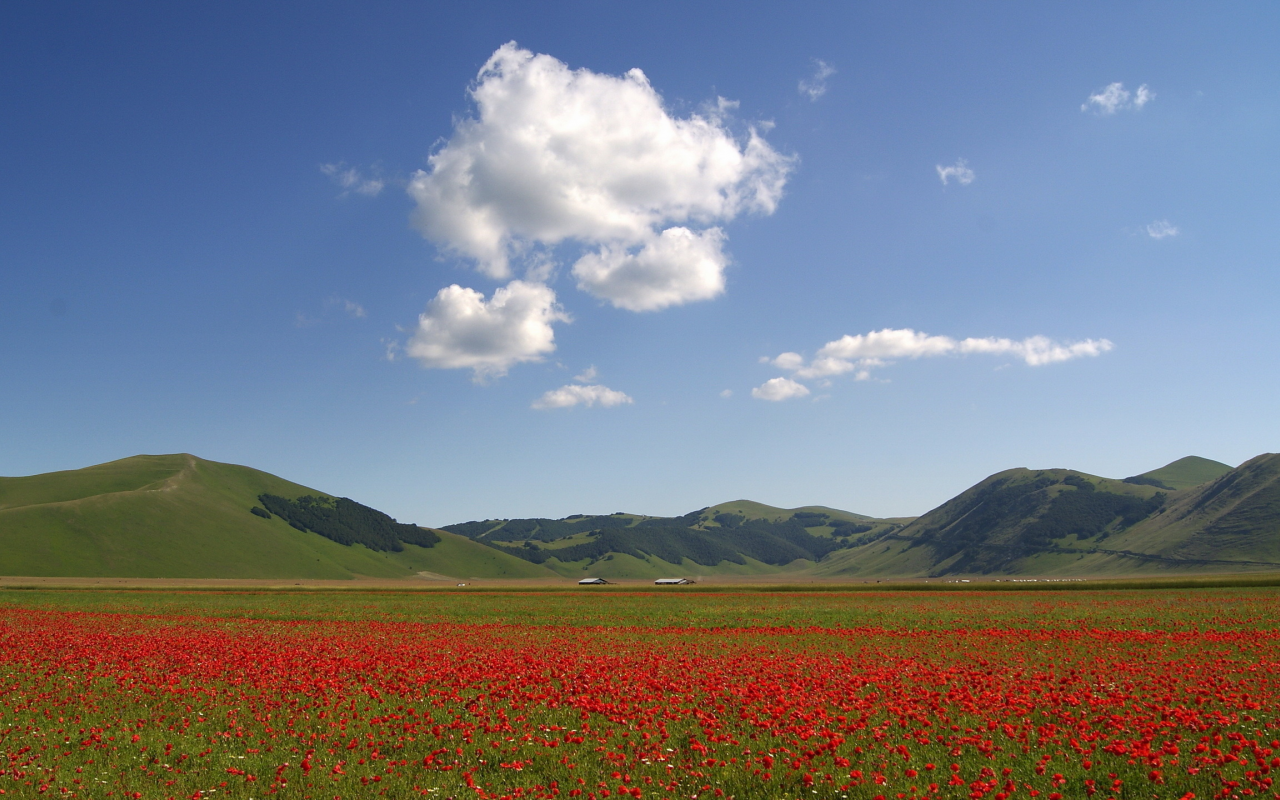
490,260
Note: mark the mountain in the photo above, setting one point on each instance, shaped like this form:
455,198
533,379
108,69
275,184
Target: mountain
178,516
1233,518
1182,474
736,538
1062,522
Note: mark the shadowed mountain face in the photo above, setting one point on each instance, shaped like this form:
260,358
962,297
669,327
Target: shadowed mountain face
1016,514
1234,517
1060,522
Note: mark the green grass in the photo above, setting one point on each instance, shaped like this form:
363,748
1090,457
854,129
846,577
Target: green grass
460,557
178,516
1233,602
1187,472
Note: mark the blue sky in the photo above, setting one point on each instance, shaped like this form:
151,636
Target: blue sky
912,246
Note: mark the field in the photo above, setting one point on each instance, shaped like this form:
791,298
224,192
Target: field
1168,693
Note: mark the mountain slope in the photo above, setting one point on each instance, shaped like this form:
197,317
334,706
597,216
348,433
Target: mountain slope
735,538
1010,516
1061,522
1183,473
1233,518
178,516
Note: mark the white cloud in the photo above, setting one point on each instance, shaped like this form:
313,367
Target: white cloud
815,86
1114,97
573,394
462,330
960,171
556,155
867,351
587,376
678,266
352,180
1161,229
349,307
779,389
727,393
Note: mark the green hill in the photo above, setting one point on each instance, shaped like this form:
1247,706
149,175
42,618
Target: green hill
1235,517
1061,522
178,516
1183,473
736,538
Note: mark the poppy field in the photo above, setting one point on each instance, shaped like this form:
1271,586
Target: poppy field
1146,694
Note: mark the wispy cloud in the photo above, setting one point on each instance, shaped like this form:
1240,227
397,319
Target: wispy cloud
572,395
1162,229
587,375
815,85
960,171
1114,97
859,355
349,307
352,179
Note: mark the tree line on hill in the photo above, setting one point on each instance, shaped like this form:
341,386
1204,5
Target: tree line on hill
345,521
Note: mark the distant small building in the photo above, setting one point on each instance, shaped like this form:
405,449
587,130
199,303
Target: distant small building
673,582
592,582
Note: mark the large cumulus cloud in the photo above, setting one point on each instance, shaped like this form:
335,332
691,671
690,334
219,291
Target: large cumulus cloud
555,154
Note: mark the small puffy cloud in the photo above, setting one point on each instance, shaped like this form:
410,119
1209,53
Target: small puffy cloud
572,395
779,389
587,375
675,267
1162,229
462,330
353,180
815,86
959,170
1114,97
867,351
785,361
558,155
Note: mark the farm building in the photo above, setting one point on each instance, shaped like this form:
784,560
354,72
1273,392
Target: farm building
673,582
592,582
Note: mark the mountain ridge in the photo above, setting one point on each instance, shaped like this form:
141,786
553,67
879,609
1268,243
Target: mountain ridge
180,516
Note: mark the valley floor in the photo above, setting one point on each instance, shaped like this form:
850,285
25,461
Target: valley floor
763,583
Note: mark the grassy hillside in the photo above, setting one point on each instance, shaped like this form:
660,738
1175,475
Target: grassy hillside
1061,522
1233,518
1185,473
753,510
178,516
